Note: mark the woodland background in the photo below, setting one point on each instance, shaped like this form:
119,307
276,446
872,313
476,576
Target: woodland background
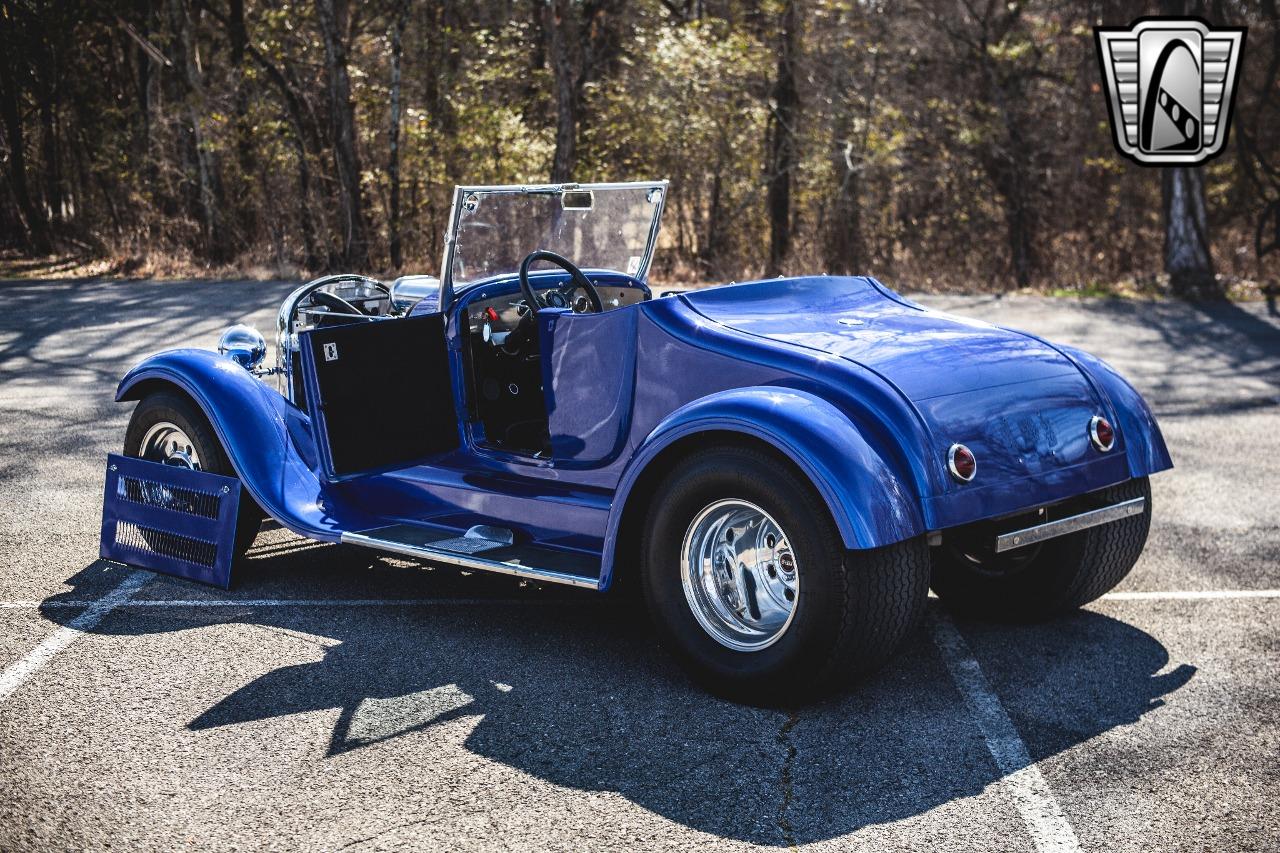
936,143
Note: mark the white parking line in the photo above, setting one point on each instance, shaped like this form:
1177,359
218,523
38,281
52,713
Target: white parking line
287,602
1048,826
1192,594
32,604
13,677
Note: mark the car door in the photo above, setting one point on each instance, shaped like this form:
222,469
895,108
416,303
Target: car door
588,365
379,393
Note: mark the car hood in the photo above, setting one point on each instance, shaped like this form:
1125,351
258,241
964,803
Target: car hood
1018,403
925,353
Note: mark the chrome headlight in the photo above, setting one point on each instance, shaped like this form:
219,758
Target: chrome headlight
408,290
244,345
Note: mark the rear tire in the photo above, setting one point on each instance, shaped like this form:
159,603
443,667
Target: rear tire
168,407
850,608
1064,574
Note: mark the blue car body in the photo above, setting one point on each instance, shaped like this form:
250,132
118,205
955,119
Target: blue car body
862,389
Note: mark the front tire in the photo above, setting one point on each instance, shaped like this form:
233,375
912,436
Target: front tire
751,589
1063,574
168,427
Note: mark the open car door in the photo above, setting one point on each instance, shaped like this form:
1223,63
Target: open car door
380,393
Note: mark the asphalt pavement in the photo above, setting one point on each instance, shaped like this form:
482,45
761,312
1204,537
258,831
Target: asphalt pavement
335,698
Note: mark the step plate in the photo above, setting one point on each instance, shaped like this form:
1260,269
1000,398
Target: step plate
468,545
525,561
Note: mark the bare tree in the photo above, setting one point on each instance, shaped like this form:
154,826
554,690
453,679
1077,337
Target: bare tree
1186,232
334,18
33,219
1187,258
393,136
783,156
581,43
206,198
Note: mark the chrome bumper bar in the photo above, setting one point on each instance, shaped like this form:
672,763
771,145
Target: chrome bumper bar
1052,529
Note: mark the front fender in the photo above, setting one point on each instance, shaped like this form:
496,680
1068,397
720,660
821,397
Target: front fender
267,440
871,503
1144,443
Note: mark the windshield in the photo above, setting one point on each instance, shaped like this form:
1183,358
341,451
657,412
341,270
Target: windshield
596,226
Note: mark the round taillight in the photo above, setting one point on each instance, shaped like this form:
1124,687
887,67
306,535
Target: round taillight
961,463
1101,433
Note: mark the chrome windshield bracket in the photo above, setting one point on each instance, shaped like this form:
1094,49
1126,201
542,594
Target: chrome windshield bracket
1073,524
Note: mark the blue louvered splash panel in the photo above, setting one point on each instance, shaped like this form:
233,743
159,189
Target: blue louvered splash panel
170,519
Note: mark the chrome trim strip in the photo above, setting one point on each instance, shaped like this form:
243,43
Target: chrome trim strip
1063,526
468,561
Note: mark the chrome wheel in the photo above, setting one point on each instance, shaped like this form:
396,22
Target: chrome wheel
166,442
740,576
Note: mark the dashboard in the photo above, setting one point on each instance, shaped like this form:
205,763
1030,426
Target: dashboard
502,313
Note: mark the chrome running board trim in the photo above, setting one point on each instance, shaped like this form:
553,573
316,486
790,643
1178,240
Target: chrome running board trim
470,561
1063,526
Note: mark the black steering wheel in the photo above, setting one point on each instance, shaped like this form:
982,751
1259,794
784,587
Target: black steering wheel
338,305
577,281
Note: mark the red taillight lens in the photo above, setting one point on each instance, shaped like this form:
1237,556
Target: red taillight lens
1101,433
961,463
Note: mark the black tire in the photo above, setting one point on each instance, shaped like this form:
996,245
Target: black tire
180,410
853,607
1064,574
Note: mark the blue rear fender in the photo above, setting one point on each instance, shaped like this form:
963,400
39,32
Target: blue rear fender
872,503
1143,441
268,441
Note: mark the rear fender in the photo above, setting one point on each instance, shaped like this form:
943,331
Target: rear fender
872,504
268,441
1143,441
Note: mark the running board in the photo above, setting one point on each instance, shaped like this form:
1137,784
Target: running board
1073,524
482,548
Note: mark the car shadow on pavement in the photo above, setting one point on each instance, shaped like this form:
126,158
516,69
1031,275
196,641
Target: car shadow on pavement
575,692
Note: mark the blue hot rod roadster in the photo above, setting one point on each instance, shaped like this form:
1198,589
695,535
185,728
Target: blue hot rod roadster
782,467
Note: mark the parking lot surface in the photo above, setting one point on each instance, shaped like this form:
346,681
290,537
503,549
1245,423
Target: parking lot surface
337,699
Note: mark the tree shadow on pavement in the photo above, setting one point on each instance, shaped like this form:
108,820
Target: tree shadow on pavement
565,689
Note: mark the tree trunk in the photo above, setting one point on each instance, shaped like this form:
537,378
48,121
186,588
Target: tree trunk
583,40
36,225
333,16
207,195
311,258
1186,233
537,55
393,152
712,246
782,141
561,34
48,98
238,40
845,254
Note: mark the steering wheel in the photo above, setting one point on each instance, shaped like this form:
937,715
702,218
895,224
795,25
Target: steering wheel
338,305
576,279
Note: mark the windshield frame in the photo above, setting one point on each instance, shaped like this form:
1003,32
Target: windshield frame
460,193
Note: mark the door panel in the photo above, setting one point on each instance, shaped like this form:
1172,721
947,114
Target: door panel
588,363
379,393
